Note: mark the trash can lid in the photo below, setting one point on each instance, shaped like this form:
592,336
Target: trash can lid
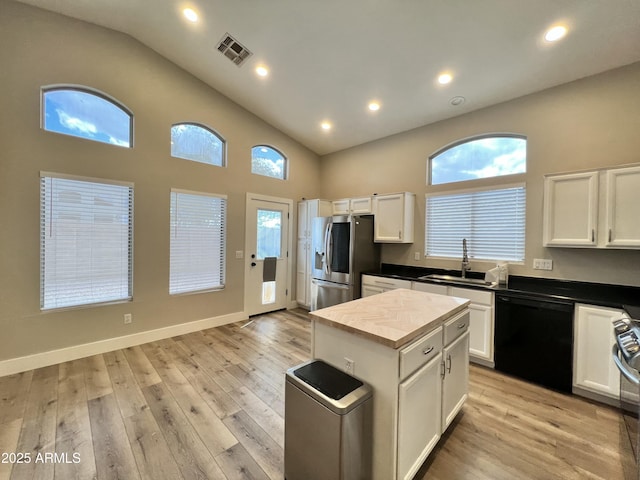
327,379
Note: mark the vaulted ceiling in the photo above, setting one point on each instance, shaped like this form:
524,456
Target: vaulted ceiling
327,60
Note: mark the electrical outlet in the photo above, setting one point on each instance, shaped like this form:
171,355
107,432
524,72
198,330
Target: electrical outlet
416,255
128,318
542,264
349,365
239,254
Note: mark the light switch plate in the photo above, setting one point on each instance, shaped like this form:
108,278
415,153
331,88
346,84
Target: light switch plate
239,253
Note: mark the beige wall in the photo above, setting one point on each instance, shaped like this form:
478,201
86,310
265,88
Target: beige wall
590,123
39,48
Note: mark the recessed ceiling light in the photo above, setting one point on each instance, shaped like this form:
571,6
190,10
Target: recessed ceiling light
458,100
262,71
555,33
326,126
190,14
374,106
445,78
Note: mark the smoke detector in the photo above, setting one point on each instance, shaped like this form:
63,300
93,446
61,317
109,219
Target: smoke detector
233,50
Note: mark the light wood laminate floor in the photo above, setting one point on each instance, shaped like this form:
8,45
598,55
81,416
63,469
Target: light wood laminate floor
210,405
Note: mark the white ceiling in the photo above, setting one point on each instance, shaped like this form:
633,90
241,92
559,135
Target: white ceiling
329,58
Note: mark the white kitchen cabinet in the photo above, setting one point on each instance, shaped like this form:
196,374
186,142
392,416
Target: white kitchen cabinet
570,210
352,206
372,284
481,323
419,417
394,217
622,220
593,367
430,288
595,209
307,211
455,383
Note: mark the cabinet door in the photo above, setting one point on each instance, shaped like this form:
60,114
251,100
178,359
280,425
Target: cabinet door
593,367
571,210
360,206
394,218
623,199
429,288
418,417
340,207
481,331
368,290
455,385
302,287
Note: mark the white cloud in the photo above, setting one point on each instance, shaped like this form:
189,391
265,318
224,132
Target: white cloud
73,123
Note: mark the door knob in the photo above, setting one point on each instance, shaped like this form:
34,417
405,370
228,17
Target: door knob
253,264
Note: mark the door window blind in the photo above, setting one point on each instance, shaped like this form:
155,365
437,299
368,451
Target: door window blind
197,242
86,241
492,221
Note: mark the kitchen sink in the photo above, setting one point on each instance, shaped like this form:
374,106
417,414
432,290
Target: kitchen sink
453,279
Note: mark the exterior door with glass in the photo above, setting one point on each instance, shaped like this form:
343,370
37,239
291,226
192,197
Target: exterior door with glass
267,254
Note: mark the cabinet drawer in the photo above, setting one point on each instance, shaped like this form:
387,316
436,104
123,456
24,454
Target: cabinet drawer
476,296
456,326
385,282
420,352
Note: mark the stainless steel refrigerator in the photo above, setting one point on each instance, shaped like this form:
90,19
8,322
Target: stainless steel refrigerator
343,248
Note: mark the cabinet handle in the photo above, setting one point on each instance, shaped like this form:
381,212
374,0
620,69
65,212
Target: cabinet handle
427,351
442,369
449,363
609,235
400,234
461,326
593,235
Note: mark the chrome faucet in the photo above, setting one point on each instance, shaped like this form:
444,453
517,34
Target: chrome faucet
465,258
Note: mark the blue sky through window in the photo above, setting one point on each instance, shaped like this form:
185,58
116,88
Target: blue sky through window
86,115
267,161
480,158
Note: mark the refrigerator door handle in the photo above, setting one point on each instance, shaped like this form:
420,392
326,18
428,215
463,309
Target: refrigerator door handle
327,248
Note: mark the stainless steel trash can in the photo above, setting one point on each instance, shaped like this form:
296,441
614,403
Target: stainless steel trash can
327,424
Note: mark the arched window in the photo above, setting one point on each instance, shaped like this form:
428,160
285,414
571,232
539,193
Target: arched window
479,157
196,142
269,162
489,220
86,113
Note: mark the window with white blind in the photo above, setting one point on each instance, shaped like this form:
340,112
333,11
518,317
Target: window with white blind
197,257
86,241
492,221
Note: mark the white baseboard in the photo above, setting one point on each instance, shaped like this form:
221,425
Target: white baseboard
52,357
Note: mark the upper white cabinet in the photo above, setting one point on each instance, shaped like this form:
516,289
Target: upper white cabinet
593,209
394,217
594,370
352,206
307,211
570,210
622,219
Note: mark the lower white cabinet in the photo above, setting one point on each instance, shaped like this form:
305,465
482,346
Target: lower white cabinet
455,383
419,417
372,284
481,322
593,367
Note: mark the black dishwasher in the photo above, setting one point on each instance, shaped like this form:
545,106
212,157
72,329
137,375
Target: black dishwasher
534,339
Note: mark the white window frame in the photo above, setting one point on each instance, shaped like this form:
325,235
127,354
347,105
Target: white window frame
456,245
201,126
285,169
60,277
188,284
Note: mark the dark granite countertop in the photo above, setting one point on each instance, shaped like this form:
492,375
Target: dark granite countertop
606,295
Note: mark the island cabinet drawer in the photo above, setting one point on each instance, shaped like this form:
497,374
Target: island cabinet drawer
420,352
456,326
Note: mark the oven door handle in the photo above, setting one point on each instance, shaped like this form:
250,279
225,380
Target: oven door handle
622,367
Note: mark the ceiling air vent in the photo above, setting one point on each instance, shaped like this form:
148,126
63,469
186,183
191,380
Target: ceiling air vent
233,50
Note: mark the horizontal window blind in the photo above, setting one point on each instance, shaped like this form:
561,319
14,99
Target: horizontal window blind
492,221
198,223
86,241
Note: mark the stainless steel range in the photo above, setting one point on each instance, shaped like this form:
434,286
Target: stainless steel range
626,355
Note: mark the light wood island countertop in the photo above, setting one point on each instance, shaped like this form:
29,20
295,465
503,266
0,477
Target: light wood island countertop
392,318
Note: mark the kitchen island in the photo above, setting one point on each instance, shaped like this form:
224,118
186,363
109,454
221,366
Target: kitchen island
412,348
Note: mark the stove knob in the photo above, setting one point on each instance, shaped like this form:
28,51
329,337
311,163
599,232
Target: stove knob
633,349
621,325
